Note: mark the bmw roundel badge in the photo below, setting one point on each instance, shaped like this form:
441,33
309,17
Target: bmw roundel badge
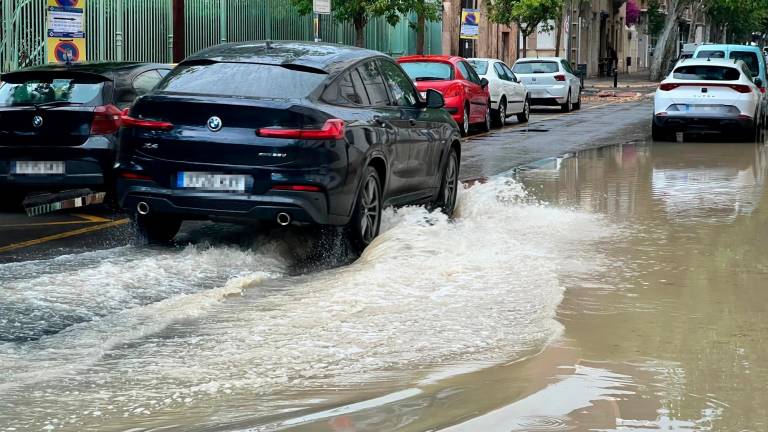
214,124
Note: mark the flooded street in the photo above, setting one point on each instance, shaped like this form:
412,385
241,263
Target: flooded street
621,288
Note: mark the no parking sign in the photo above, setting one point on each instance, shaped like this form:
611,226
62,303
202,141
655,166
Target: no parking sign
66,31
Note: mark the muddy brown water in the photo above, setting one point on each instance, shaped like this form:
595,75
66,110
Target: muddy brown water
617,289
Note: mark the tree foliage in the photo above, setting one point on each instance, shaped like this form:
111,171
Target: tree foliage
739,17
425,10
359,12
655,18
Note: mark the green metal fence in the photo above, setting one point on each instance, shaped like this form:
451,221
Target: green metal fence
141,30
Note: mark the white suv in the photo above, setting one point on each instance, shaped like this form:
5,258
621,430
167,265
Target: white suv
550,81
702,95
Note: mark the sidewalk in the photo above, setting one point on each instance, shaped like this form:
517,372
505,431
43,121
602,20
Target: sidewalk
628,85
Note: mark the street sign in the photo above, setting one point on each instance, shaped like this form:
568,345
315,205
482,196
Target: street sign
65,35
470,24
321,7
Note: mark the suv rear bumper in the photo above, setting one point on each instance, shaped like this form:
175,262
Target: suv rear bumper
692,122
86,166
307,207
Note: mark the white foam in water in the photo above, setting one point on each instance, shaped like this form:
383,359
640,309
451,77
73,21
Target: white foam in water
482,288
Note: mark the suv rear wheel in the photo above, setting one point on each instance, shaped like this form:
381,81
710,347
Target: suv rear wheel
446,200
156,228
366,217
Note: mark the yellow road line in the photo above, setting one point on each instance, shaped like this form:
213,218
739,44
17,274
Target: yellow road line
41,240
87,219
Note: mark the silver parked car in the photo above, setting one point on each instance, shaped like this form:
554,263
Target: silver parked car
550,81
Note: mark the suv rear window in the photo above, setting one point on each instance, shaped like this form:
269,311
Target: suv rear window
36,90
711,54
242,79
749,58
535,67
428,71
709,73
481,66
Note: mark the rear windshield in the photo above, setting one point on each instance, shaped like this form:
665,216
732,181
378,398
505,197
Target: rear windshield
709,73
242,80
711,54
480,66
535,67
747,57
428,71
39,90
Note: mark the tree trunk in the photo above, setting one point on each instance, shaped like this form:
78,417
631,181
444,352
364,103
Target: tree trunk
694,22
420,24
525,45
667,42
359,23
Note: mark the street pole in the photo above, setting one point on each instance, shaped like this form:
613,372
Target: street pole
317,27
179,41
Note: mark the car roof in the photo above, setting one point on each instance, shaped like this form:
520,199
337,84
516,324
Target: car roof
727,47
533,59
488,59
96,67
326,57
440,58
709,62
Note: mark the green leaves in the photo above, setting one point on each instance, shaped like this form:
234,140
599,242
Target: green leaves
527,14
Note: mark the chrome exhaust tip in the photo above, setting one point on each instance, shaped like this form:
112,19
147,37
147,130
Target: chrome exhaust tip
142,208
283,219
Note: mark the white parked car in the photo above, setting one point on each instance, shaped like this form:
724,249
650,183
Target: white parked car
550,81
508,95
702,95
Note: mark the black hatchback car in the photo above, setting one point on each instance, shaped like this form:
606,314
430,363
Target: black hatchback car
285,132
59,123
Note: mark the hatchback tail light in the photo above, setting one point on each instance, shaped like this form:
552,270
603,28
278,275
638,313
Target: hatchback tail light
332,129
453,91
129,121
741,88
559,77
106,120
668,86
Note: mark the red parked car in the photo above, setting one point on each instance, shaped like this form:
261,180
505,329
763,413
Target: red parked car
466,95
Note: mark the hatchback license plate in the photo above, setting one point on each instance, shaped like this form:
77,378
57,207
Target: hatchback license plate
211,181
37,167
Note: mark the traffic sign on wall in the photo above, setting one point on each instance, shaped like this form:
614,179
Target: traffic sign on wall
65,36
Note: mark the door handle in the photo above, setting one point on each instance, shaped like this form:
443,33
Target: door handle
381,122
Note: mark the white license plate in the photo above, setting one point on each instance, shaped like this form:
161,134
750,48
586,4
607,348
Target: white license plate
703,109
211,181
37,167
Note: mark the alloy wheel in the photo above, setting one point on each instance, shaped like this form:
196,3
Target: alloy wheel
503,114
451,183
370,209
466,121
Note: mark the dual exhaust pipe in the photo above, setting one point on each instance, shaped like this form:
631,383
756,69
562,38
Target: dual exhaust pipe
283,219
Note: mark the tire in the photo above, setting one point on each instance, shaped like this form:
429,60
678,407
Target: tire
11,201
658,133
566,107
364,225
577,104
523,116
156,229
487,123
449,183
500,116
464,126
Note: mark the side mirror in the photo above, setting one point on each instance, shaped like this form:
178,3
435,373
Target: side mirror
758,82
483,83
435,99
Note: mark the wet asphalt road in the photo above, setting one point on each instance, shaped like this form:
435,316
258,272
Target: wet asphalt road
548,134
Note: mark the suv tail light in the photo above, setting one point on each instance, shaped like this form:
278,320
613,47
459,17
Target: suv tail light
453,91
559,77
129,121
668,86
106,120
332,129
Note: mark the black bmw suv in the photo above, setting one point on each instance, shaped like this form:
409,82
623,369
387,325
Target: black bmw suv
285,132
59,123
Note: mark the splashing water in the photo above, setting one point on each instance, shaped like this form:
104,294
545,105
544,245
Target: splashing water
483,287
